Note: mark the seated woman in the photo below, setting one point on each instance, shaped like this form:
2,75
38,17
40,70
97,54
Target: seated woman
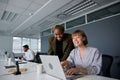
83,59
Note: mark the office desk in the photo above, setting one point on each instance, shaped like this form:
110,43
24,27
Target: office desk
31,67
31,74
3,71
28,76
95,77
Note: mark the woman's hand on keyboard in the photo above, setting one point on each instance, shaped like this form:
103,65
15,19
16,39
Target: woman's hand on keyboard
72,71
65,64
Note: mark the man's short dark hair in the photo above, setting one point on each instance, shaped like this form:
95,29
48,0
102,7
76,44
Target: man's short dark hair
60,27
26,46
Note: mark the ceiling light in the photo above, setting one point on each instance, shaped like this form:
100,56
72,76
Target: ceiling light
85,4
30,14
9,16
62,16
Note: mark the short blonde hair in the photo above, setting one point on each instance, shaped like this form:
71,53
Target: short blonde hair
60,27
80,33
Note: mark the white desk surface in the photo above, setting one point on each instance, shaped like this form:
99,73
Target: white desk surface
31,67
31,74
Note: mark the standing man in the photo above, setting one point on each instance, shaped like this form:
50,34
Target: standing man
29,54
60,44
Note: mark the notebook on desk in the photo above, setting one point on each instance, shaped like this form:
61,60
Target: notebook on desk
53,67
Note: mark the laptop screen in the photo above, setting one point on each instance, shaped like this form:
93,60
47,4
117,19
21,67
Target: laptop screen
12,56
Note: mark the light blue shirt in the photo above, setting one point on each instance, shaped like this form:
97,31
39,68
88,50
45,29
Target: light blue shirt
92,60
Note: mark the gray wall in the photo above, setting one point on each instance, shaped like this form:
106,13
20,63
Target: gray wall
6,43
104,35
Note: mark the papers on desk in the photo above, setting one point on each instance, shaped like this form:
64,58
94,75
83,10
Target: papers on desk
22,62
14,70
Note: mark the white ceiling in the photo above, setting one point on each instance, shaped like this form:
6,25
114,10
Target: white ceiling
27,18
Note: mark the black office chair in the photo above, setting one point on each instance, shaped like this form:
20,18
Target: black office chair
107,61
37,57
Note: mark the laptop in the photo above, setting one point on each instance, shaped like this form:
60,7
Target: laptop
53,67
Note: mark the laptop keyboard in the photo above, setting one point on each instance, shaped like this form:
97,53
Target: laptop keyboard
68,76
72,77
10,66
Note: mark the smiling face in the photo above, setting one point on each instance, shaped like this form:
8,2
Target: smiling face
58,34
79,38
58,31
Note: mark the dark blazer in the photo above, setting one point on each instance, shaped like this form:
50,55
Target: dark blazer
67,46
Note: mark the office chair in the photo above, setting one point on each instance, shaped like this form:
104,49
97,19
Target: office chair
107,61
37,57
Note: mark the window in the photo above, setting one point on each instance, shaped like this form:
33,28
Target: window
34,44
25,41
105,12
17,44
39,44
75,22
46,32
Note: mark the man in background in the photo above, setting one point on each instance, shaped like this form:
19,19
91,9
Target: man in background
29,54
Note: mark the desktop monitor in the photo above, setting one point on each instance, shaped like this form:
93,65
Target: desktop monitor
37,58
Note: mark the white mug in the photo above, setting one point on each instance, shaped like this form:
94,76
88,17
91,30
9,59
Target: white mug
39,68
9,61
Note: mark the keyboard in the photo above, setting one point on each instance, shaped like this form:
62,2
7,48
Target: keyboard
22,62
71,77
10,66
